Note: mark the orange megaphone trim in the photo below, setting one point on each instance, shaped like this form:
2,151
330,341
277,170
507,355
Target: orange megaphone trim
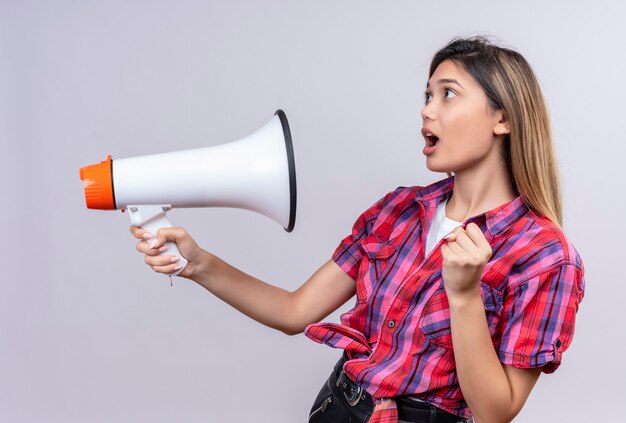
98,182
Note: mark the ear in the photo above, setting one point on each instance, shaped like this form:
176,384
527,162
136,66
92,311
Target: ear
502,126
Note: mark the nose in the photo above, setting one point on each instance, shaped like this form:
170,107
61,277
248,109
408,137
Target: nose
427,112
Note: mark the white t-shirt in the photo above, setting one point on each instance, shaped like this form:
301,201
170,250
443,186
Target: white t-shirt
440,227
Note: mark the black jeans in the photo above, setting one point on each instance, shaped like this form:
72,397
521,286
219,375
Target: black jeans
344,402
332,406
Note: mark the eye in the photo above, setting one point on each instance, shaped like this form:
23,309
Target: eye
427,96
448,90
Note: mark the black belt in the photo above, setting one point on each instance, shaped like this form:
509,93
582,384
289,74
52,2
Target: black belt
411,410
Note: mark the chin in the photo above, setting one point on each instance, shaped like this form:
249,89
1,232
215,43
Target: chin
437,168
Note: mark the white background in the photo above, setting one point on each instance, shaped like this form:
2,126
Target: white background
88,333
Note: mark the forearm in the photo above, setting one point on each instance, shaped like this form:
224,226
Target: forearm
267,304
482,378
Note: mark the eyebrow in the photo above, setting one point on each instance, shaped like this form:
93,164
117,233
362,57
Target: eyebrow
446,80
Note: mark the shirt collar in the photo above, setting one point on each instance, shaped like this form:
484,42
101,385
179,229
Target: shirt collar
497,219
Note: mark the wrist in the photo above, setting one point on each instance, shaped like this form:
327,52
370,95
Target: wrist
200,268
459,298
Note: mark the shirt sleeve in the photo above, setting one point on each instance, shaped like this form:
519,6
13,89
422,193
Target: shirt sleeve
348,254
538,318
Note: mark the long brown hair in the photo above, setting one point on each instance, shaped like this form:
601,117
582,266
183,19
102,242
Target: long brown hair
510,85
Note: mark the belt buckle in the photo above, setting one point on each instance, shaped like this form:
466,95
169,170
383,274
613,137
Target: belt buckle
355,395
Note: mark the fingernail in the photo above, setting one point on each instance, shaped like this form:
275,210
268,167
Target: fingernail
175,259
153,243
449,235
163,248
178,268
146,235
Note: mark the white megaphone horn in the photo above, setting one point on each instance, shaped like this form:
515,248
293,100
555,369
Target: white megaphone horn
256,173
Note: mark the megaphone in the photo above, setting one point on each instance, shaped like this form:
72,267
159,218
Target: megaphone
255,173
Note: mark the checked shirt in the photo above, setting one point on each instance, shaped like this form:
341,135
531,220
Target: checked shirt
398,335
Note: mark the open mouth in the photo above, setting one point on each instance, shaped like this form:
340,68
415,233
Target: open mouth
431,140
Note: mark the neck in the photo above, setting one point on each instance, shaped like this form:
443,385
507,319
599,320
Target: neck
478,190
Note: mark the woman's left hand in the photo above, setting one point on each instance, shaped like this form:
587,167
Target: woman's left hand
464,258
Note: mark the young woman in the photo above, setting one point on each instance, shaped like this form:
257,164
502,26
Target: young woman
466,289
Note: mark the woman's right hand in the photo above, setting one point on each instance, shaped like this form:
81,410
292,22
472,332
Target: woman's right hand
198,259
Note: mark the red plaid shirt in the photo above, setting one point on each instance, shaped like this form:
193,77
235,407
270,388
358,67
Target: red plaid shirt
398,333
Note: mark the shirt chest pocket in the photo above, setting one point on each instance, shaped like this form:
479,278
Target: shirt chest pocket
378,259
379,254
435,319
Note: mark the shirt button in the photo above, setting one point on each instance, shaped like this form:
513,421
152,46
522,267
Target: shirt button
391,323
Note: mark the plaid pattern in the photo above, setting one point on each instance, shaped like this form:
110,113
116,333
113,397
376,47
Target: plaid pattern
398,334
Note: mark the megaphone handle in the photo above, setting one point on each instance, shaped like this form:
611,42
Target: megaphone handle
152,218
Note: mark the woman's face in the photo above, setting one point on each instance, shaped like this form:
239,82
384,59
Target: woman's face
457,112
